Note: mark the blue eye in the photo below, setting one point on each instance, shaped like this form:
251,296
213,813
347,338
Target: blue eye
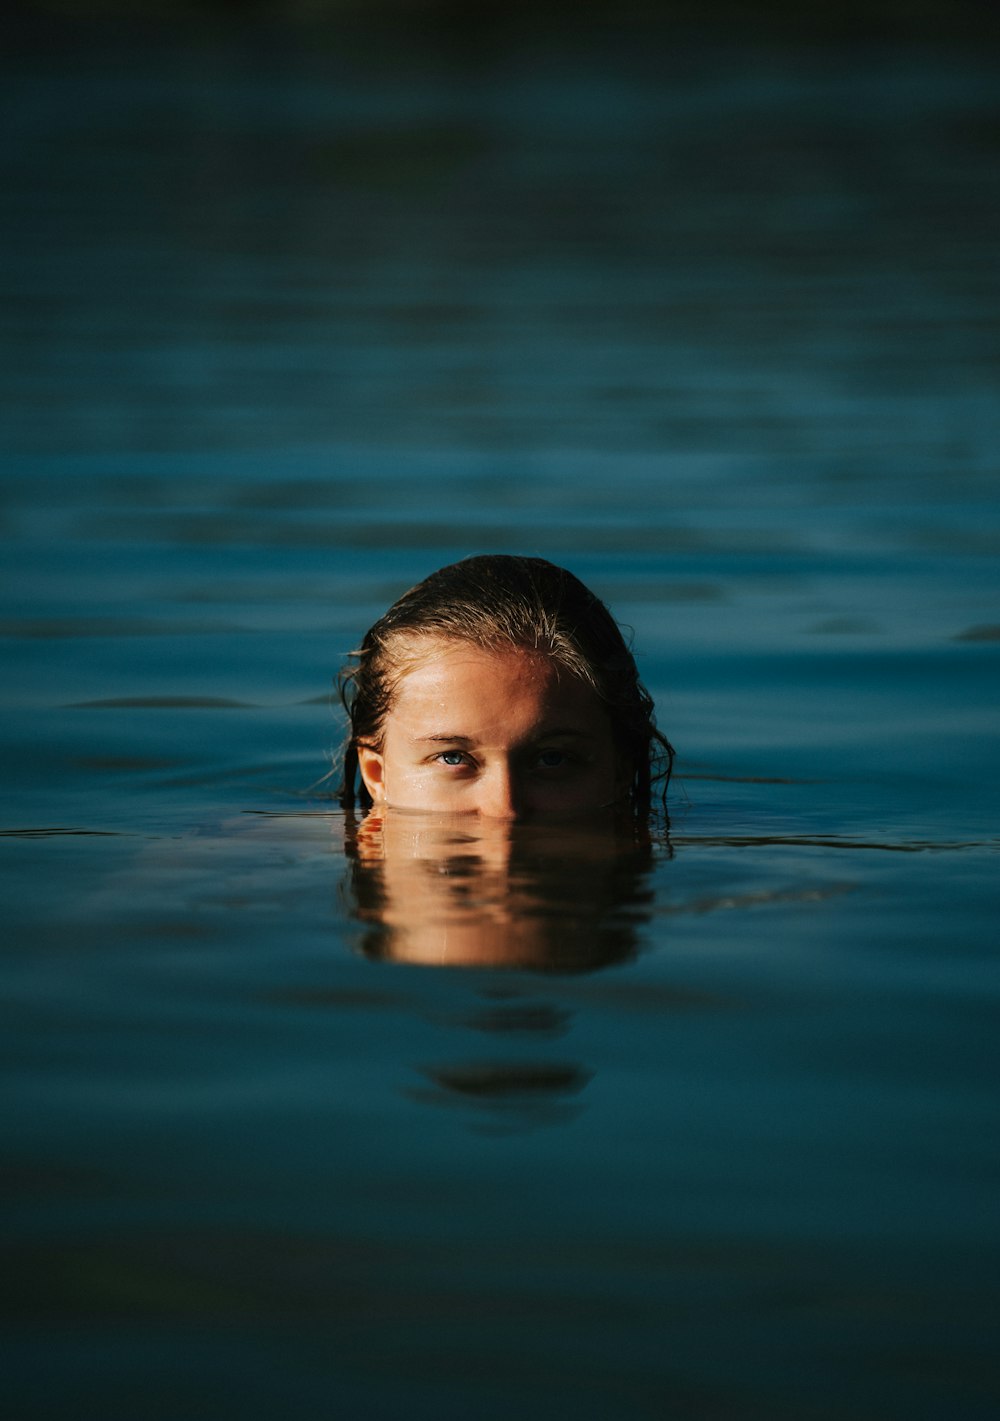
552,759
452,757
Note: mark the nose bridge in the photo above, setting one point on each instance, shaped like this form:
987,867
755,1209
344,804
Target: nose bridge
499,795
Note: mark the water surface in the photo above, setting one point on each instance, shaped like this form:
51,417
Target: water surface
706,1131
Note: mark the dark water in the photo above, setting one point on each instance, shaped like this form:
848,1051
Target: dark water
712,1132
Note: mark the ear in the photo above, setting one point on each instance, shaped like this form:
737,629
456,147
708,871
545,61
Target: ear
372,767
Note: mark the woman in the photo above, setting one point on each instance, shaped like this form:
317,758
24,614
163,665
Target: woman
500,686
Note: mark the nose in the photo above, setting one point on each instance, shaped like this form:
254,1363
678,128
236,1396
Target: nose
498,794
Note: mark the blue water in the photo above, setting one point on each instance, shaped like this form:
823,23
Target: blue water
287,325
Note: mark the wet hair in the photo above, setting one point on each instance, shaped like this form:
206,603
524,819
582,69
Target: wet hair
498,600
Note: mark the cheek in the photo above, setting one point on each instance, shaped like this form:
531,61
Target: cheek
404,782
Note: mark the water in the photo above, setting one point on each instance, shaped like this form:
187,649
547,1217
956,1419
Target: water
712,1133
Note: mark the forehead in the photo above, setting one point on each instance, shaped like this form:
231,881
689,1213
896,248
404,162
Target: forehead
445,680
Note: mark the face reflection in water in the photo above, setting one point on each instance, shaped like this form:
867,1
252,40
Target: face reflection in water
461,891
504,734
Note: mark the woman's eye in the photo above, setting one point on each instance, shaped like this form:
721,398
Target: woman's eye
452,757
552,759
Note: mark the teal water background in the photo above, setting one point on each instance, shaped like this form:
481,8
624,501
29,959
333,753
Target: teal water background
287,325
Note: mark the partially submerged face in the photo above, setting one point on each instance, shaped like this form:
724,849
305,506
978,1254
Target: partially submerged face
504,733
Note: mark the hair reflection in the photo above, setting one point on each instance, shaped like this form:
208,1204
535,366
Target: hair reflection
459,891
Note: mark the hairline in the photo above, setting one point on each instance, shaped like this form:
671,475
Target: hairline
432,639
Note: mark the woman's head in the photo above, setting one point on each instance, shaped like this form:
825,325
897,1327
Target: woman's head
502,685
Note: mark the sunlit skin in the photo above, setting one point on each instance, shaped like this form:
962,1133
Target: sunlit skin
504,734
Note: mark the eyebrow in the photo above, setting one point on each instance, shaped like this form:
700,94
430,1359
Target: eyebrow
547,733
436,739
